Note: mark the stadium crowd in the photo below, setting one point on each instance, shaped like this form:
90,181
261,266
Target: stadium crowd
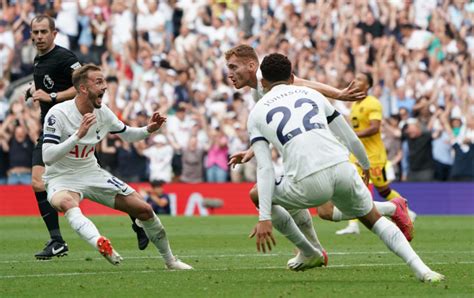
169,55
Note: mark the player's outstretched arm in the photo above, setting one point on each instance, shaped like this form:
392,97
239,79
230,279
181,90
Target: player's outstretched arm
344,132
350,93
133,134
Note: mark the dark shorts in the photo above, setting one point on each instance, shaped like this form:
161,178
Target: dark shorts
38,153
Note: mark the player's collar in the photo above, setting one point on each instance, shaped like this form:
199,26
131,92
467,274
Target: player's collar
277,84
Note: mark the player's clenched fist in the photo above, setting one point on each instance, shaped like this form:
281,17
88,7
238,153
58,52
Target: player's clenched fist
87,121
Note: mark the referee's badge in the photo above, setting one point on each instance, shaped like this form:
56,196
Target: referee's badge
48,82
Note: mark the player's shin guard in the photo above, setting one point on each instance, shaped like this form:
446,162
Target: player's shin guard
49,215
157,235
304,221
393,238
284,224
83,226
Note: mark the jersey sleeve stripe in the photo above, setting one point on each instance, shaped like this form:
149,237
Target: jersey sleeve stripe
48,135
120,131
256,139
46,141
333,116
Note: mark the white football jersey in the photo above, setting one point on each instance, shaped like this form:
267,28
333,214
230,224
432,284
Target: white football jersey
295,120
62,121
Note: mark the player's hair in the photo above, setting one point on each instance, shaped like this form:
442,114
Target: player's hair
242,51
370,80
276,67
80,75
41,17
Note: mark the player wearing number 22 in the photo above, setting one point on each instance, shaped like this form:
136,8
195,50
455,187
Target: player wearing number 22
74,128
302,125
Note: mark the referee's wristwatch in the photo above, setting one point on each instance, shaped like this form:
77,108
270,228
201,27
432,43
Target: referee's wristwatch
54,97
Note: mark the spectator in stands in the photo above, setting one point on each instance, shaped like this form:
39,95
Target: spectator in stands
442,150
244,172
157,198
20,149
463,166
216,163
160,154
391,135
421,164
179,128
192,159
131,161
4,148
418,52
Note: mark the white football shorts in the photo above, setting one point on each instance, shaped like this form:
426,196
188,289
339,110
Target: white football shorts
340,184
96,184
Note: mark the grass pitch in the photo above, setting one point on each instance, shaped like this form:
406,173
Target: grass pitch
227,264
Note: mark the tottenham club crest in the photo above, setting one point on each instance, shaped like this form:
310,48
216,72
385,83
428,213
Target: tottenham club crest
51,120
48,82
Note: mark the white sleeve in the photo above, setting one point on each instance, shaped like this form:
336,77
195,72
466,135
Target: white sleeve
344,132
265,179
133,134
53,150
127,133
265,170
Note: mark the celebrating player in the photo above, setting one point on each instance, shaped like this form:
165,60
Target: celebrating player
242,63
73,129
302,124
53,67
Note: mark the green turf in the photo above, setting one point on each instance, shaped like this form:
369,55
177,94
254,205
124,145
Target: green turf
227,264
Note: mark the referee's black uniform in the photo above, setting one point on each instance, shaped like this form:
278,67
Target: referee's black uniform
52,73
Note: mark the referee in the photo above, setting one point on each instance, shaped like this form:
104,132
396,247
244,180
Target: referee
53,67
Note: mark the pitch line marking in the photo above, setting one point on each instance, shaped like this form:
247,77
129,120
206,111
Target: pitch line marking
343,253
215,269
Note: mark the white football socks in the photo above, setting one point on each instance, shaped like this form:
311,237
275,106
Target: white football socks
384,208
393,238
157,235
82,225
283,223
304,221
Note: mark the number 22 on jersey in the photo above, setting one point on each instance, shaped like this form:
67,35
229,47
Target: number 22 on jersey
287,114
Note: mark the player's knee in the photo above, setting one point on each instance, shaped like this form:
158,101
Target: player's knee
254,195
64,202
145,212
325,212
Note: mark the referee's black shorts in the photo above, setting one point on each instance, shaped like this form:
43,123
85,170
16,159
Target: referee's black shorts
38,153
